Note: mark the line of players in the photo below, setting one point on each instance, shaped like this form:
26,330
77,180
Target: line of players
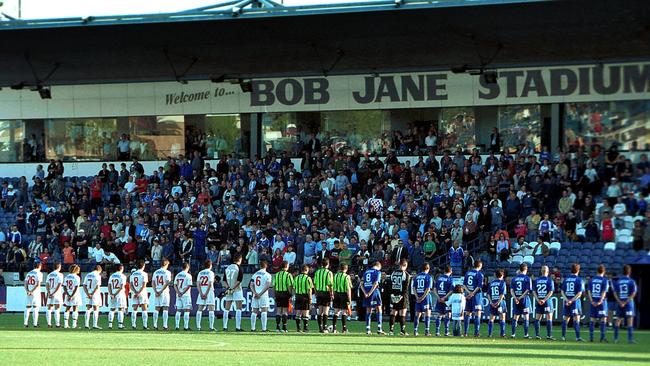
462,304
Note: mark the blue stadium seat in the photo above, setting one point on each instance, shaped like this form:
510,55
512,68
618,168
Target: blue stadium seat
599,245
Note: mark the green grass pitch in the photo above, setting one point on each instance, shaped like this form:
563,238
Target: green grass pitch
20,346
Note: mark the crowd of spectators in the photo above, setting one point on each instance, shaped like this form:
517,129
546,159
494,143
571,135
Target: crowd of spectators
442,207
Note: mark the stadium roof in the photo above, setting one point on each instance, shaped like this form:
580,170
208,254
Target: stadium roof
255,38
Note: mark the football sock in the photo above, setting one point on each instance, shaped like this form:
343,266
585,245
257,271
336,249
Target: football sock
416,323
447,320
603,330
155,319
549,328
134,318
402,323
344,322
284,321
324,319
111,316
437,324
66,318
536,327
490,326
211,319
591,331
186,320
298,323
145,318
278,321
615,332
198,316
120,317
630,334
335,319
391,322
265,318
253,320
35,316
513,326
305,322
48,317
57,317
379,320
238,319
75,317
368,315
319,318
503,328
466,324
178,319
477,325
165,318
26,316
427,323
87,318
576,327
225,319
526,326
564,328
95,318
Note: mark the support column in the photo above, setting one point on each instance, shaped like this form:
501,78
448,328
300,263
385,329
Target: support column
256,147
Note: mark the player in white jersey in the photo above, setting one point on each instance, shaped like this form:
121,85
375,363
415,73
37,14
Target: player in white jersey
92,282
182,286
260,283
205,298
71,296
160,283
33,281
139,296
54,291
117,297
234,293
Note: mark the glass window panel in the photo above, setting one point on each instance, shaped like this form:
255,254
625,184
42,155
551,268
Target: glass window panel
360,130
80,139
457,128
13,143
280,132
156,137
519,124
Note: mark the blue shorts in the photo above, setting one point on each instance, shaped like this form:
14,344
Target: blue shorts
441,308
373,300
599,311
522,308
574,309
625,311
424,306
498,310
547,308
475,303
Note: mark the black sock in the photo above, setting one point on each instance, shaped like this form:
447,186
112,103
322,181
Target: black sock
402,322
324,321
305,322
344,322
298,322
278,320
391,323
284,321
319,318
335,318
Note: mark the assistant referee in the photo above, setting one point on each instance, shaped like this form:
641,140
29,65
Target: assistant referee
342,296
323,280
282,284
303,286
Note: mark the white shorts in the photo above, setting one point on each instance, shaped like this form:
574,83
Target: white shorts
74,301
57,299
117,302
262,302
238,295
96,300
142,299
184,303
162,300
209,300
33,300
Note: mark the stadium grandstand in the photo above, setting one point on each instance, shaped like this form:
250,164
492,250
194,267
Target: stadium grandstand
380,132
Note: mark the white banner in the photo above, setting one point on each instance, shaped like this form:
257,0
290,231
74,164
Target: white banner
532,85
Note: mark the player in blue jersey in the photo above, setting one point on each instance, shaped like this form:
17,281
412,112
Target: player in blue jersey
497,302
421,286
597,293
443,289
371,295
473,283
571,292
543,288
520,287
624,292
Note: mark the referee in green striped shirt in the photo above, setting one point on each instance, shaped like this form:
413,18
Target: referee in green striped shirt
342,296
323,281
303,286
282,284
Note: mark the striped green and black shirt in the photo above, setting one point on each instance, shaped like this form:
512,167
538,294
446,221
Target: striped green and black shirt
323,279
342,282
303,284
282,281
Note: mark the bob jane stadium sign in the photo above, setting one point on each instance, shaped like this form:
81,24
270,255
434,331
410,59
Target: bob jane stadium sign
583,83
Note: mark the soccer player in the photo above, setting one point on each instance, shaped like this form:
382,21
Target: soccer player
457,303
342,297
597,293
399,293
473,283
571,292
520,286
182,286
117,297
282,284
303,286
161,282
234,293
71,296
54,291
139,296
205,298
33,281
497,307
421,287
323,281
443,289
260,284
543,289
624,293
371,295
92,282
